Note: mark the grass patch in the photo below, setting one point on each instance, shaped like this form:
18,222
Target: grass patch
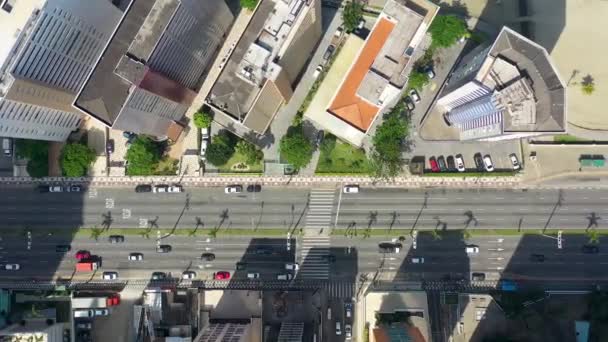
568,139
166,167
341,158
470,174
240,160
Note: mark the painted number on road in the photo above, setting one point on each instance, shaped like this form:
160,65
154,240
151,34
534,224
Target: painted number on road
126,213
109,203
143,222
92,193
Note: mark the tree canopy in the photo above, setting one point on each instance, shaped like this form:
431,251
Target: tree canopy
75,159
249,4
352,13
143,156
37,153
202,119
295,148
221,148
389,143
446,30
251,152
418,80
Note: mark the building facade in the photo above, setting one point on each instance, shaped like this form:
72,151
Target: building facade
48,49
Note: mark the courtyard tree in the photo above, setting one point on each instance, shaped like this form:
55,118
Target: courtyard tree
37,153
352,14
221,148
389,144
296,148
446,30
418,80
75,159
202,119
252,153
143,157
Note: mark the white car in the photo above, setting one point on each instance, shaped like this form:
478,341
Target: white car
188,275
160,188
253,276
205,133
417,260
102,312
109,276
12,267
292,267
514,161
175,188
338,32
233,189
351,189
414,95
74,188
472,249
460,163
204,144
55,188
317,71
348,331
136,257
487,163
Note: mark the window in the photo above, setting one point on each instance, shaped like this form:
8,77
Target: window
7,5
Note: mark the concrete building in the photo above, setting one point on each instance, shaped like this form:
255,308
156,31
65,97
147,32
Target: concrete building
377,73
265,65
148,75
507,90
48,47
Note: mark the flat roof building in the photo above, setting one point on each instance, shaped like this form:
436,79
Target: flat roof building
507,90
149,72
265,65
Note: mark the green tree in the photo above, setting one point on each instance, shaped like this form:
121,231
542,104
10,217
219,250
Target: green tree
296,148
446,30
328,144
202,119
143,157
75,159
251,152
37,153
588,88
389,143
418,80
221,148
352,14
593,235
249,4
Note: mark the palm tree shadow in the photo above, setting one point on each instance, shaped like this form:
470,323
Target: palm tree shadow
199,223
107,220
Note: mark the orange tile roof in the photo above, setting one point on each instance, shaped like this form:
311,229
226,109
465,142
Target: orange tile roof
347,105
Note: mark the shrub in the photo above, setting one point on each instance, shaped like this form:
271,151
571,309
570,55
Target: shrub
75,159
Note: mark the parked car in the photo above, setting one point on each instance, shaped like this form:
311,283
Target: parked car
233,189
318,71
102,312
63,248
478,161
143,188
254,188
175,188
205,133
204,145
451,163
320,136
417,260
441,162
351,189
188,275
361,24
414,95
460,163
429,71
348,331
253,276
348,309
221,275
136,257
110,146
83,325
478,276
161,188
514,161
82,254
537,257
338,32
207,256
329,52
409,103
74,188
591,249
284,276
116,239
109,275
338,328
12,267
159,275
55,188
7,146
487,163
163,249
433,164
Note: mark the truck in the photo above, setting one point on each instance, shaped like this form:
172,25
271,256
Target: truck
89,302
86,266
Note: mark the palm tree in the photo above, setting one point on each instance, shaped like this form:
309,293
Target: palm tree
145,233
466,234
96,233
213,232
593,235
436,235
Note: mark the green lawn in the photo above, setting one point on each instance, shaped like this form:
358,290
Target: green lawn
343,158
237,159
567,139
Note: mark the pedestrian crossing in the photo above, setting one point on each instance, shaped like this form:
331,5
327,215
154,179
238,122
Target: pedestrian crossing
320,209
313,257
340,289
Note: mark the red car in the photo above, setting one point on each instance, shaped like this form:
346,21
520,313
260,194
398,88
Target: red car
82,255
221,275
434,165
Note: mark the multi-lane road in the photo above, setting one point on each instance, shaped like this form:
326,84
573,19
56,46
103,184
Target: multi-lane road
292,207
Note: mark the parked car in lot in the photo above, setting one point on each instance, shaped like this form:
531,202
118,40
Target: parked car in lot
204,145
514,161
116,239
159,275
136,257
143,188
254,188
188,275
429,71
414,95
109,275
460,163
318,71
451,163
351,189
207,256
221,275
487,163
433,164
478,276
478,161
233,189
441,163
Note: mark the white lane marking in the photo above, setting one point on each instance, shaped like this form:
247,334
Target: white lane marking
109,203
126,213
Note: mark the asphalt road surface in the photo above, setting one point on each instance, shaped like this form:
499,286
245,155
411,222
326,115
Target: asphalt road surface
288,208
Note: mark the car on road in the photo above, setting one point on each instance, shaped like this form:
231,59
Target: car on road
84,325
348,310
74,188
188,275
487,163
241,266
159,275
351,189
82,254
460,163
253,276
221,275
338,328
284,276
537,257
116,239
409,103
478,276
63,248
102,312
414,95
442,165
451,163
389,247
254,188
12,267
478,161
417,260
292,266
143,188
433,164
136,257
109,275
348,331
233,189
163,249
514,161
472,249
207,256
591,249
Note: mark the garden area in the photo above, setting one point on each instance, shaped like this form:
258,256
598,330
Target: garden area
338,157
230,154
146,157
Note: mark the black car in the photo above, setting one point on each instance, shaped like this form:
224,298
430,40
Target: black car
116,239
208,257
163,249
254,188
389,247
478,162
591,249
63,248
478,276
451,163
159,275
441,162
110,146
143,188
537,257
